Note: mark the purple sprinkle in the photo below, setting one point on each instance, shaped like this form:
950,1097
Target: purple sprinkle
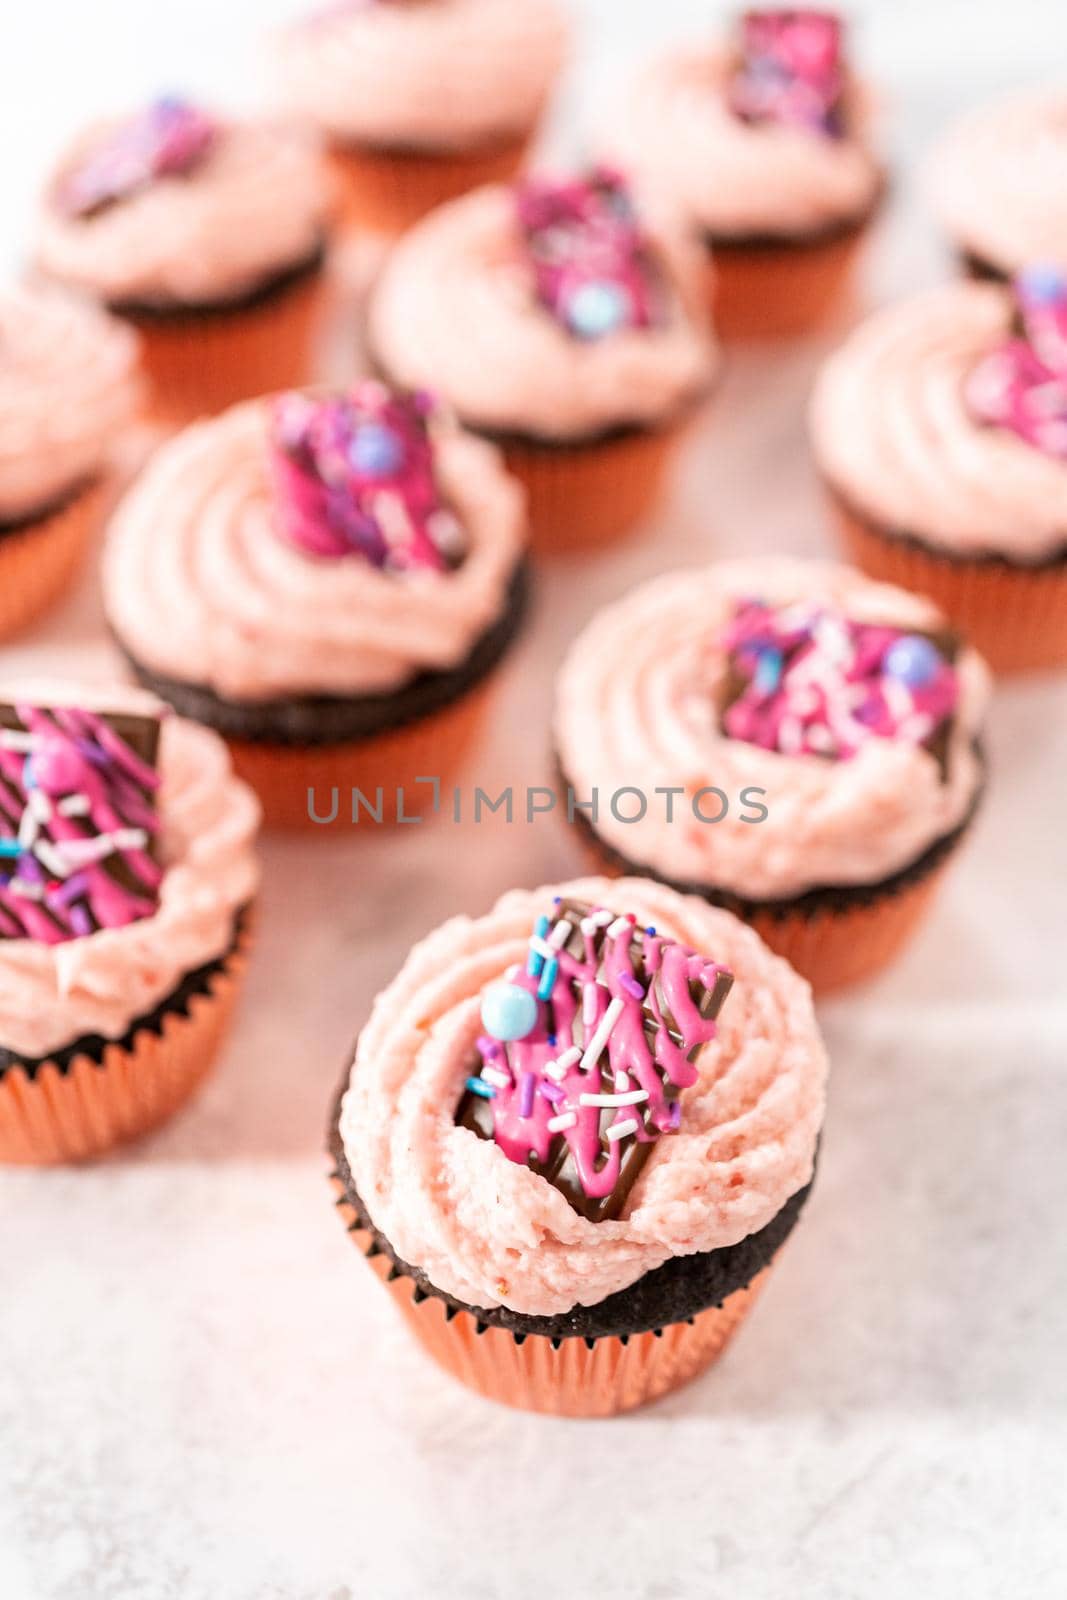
628,982
527,1087
674,1116
80,920
552,1092
487,1047
30,869
71,889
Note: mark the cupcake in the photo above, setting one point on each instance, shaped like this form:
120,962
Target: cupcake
940,428
786,739
575,1136
328,581
763,146
558,326
205,234
419,102
127,875
996,183
68,385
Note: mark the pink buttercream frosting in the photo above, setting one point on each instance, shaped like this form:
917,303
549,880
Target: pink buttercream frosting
200,585
998,180
490,1231
252,207
456,309
68,386
687,150
639,702
446,75
893,432
53,994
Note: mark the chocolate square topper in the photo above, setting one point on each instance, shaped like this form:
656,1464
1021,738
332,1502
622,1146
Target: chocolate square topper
79,824
586,1052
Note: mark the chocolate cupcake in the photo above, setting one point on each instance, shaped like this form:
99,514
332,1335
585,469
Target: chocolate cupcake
68,385
127,873
419,103
562,329
940,429
328,580
206,234
764,146
575,1170
785,738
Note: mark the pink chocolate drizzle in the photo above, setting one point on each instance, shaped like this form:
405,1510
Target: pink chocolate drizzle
169,139
620,1019
791,70
355,477
592,265
812,681
77,816
1022,385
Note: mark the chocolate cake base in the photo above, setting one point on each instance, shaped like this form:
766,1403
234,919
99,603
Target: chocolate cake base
1055,560
270,288
31,519
329,719
176,1003
813,902
675,1292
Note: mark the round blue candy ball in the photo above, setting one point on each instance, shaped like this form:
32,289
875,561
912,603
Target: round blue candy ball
597,308
508,1011
1043,283
912,659
376,450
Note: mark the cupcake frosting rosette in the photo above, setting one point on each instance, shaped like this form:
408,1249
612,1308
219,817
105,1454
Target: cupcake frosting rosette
818,733
576,1132
127,876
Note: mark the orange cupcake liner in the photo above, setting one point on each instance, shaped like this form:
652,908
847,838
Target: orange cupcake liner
571,1377
389,190
582,497
200,363
294,781
39,559
85,1107
771,291
1015,615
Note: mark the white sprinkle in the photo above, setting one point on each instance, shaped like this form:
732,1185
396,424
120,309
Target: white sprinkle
898,697
51,856
493,1075
541,946
620,926
601,1033
40,805
130,839
916,728
14,739
589,926
602,917
28,891
790,736
566,1119
622,1082
619,1130
560,934
632,1098
75,805
82,852
29,827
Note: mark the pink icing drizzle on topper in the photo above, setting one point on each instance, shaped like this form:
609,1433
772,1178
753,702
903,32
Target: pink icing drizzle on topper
355,477
597,1065
75,799
170,138
791,70
593,269
1022,385
819,683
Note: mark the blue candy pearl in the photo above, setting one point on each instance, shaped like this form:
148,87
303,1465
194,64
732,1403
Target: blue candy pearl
376,450
912,659
1043,283
597,308
508,1011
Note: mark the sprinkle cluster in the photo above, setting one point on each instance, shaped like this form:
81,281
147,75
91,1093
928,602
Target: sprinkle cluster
354,474
170,138
1022,385
593,268
587,1048
807,680
78,821
790,70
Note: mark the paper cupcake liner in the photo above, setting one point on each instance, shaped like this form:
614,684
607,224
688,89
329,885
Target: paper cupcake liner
389,190
200,362
394,761
1016,615
569,1377
79,1107
767,290
38,559
583,496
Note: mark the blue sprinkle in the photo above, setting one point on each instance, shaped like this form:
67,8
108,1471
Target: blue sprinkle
10,848
548,979
476,1086
768,670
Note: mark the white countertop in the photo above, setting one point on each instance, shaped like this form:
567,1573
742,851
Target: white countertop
204,1394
